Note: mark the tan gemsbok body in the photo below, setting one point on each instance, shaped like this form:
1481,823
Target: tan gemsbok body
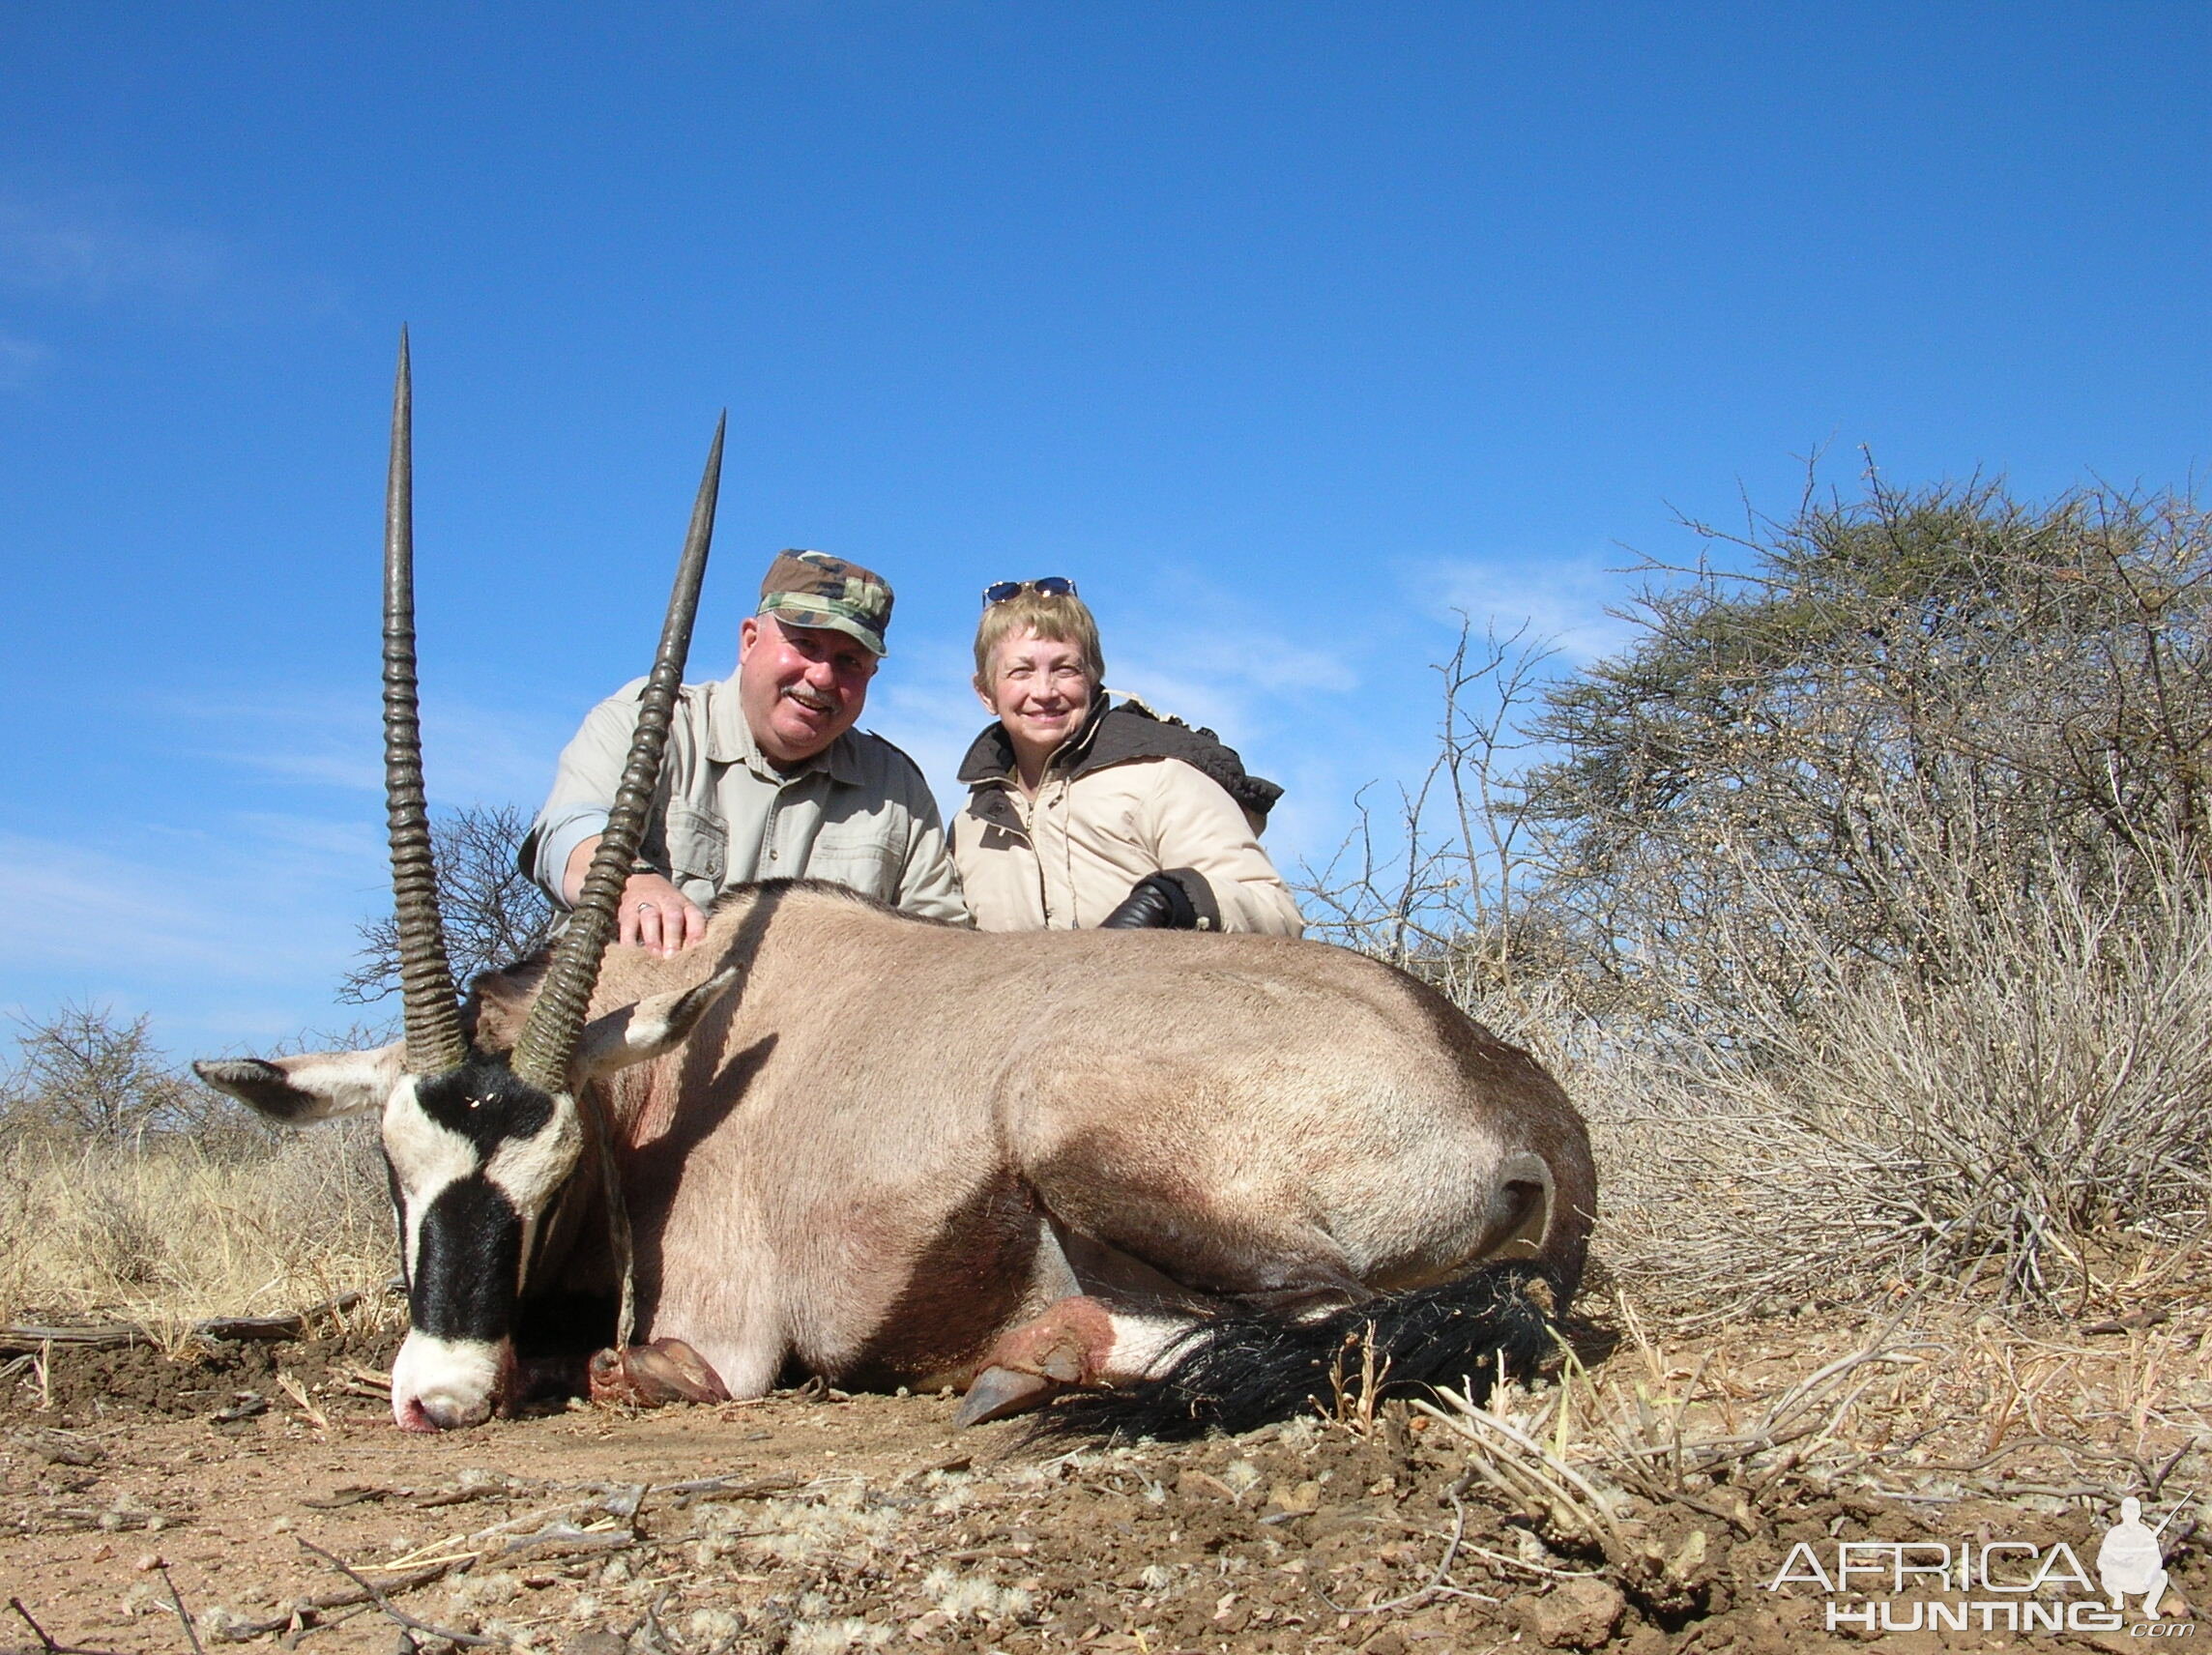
898,1145
1193,1168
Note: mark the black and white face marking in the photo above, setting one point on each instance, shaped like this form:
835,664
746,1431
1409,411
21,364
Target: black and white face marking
477,1161
476,1158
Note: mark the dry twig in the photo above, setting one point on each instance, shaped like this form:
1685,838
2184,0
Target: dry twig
1436,1583
383,1601
177,1602
46,1641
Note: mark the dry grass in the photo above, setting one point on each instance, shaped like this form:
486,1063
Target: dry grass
163,1232
1933,1401
1850,1130
1932,1407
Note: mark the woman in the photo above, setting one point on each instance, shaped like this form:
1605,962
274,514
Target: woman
1081,812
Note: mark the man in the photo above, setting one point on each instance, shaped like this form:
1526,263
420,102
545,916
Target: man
764,776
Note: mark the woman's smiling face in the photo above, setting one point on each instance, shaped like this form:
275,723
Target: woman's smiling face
1040,689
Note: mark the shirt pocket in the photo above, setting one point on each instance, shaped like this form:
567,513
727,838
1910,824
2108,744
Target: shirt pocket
864,862
698,844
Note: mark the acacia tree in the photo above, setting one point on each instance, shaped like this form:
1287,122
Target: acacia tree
1866,887
84,1073
493,913
1890,692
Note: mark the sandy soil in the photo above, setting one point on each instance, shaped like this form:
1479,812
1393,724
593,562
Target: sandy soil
264,1489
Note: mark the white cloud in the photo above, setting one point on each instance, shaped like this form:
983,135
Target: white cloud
470,754
1210,677
234,920
237,931
61,905
311,837
1241,683
237,901
1562,601
923,702
93,257
481,754
1225,704
1256,688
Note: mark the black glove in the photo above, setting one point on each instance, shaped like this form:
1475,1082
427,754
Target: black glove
1154,903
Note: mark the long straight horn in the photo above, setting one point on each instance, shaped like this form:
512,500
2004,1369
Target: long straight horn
434,1040
549,1039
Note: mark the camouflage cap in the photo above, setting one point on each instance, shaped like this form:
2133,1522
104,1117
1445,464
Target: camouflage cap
813,589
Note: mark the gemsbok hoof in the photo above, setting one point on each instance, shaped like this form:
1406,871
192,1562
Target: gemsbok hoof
998,1392
1068,1345
654,1375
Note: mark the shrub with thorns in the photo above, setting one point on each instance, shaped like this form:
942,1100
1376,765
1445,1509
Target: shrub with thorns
1864,900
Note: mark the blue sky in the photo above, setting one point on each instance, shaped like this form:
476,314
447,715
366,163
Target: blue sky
1286,330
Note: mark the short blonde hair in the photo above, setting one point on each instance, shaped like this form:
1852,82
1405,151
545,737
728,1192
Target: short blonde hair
1062,617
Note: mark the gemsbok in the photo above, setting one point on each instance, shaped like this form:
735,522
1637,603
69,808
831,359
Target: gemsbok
1195,1179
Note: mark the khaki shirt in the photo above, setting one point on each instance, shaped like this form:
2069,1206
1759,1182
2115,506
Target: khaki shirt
1066,859
859,813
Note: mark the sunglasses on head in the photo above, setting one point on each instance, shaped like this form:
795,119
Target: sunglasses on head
1052,585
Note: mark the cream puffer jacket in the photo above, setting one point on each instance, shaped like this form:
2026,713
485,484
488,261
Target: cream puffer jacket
1130,795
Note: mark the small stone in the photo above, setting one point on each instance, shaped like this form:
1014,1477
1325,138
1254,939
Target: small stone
594,1643
1576,1615
149,1561
1689,1563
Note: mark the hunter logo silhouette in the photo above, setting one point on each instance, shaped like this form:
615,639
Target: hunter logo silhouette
2130,1563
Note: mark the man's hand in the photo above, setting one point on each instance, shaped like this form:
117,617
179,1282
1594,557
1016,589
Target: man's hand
653,914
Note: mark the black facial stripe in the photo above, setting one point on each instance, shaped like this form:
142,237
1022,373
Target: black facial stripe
466,1262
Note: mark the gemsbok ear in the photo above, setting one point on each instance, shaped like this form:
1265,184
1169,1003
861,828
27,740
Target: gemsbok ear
317,1085
652,1025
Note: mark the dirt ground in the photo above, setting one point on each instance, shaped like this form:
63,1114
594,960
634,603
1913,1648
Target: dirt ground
260,1493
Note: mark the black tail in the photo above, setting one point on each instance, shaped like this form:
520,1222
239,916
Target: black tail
1240,1371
